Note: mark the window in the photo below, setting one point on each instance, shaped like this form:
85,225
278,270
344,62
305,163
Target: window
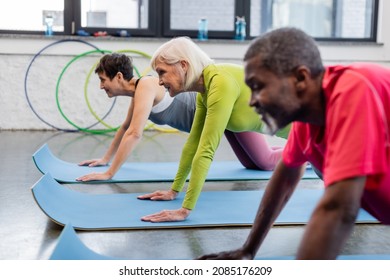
114,13
183,17
322,19
126,14
22,15
117,17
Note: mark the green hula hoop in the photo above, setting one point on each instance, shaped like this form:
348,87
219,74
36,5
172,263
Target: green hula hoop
94,131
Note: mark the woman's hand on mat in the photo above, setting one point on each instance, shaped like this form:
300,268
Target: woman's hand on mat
168,216
94,162
95,177
160,195
227,255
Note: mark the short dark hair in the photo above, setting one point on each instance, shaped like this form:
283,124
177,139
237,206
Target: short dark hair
111,64
283,50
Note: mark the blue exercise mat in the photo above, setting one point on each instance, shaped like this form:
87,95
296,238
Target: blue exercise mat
124,211
67,172
70,247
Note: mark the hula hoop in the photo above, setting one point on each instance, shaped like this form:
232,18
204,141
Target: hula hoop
93,131
26,81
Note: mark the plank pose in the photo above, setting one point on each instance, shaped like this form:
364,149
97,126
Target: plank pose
222,105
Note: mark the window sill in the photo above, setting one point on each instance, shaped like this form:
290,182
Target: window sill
351,42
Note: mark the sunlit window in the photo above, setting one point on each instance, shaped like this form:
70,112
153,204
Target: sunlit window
30,15
185,14
319,18
114,13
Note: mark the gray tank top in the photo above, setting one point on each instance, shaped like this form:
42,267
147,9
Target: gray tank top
179,114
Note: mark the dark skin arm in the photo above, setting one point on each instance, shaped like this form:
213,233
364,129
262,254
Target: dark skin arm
329,227
332,220
277,193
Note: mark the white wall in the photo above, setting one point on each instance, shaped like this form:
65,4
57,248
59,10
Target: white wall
17,52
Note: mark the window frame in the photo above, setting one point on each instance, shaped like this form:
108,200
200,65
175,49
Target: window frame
159,23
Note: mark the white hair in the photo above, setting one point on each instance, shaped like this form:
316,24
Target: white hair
183,49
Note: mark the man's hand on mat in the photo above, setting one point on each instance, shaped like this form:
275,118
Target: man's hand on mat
95,177
168,216
94,162
160,195
227,255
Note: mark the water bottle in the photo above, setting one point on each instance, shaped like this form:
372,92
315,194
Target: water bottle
49,25
240,29
243,29
202,30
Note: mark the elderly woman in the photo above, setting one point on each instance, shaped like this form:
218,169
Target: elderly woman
222,105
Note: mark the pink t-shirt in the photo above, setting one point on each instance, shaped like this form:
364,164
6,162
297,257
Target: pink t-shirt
355,139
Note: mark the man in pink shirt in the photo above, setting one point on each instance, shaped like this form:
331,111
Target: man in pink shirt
341,123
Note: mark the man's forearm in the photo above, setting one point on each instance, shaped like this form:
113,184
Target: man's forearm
332,220
277,193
